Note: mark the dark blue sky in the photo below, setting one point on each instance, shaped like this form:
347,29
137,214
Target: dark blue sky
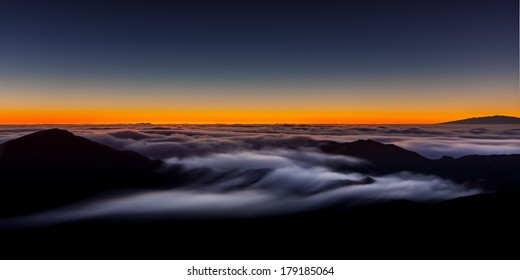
258,39
260,43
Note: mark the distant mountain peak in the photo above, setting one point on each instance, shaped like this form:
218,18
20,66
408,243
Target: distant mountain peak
497,119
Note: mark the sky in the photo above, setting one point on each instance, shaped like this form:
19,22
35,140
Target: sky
266,61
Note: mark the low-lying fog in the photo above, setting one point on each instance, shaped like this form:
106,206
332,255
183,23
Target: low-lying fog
259,170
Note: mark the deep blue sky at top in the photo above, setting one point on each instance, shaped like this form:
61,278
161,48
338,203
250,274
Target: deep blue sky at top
258,41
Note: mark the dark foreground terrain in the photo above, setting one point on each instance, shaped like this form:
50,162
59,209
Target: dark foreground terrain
477,227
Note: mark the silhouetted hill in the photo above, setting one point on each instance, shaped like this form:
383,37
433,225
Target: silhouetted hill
53,167
492,172
487,120
385,157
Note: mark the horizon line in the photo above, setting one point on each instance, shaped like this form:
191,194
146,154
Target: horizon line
216,123
254,123
211,123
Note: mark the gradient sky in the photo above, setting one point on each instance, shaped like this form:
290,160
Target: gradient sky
257,61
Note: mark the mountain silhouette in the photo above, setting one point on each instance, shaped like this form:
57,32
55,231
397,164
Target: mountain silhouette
54,167
491,172
385,158
487,120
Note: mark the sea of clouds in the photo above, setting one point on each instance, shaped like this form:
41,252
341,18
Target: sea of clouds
164,141
259,170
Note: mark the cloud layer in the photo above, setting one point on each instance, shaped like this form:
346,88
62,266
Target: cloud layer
258,170
165,141
210,202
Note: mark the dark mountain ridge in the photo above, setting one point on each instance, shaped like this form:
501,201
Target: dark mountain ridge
491,172
487,120
54,167
384,157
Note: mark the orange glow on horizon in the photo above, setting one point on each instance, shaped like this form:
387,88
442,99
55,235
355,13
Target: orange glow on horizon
227,117
34,103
